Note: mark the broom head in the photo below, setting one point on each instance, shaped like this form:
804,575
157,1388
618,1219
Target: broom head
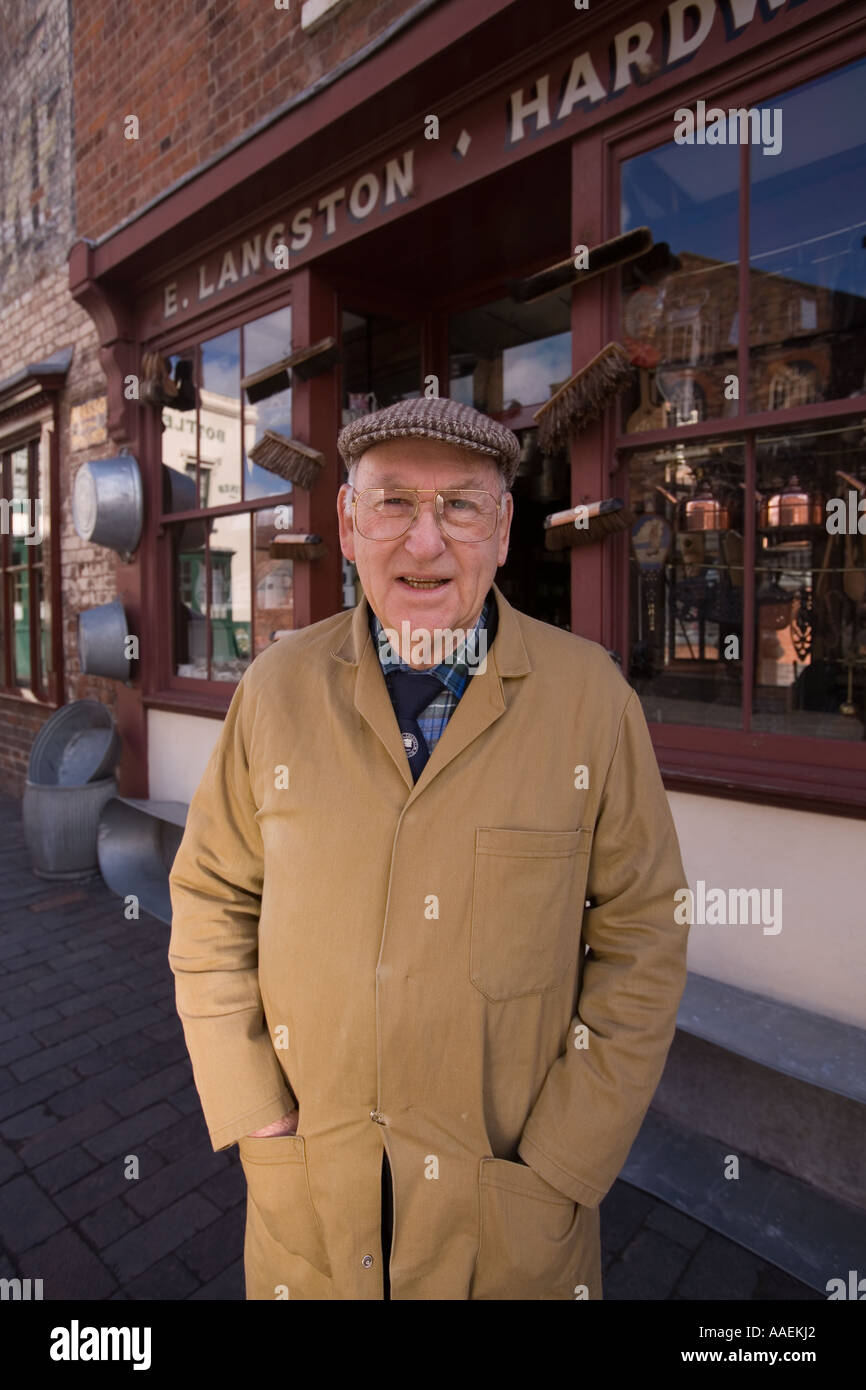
606,518
288,458
583,397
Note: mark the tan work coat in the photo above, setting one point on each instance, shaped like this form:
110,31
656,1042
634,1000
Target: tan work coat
415,966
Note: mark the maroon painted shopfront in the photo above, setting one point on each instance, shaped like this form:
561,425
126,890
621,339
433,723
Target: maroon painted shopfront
391,212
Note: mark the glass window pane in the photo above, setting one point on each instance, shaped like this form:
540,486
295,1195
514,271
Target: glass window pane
505,355
810,580
20,474
40,576
219,421
266,340
679,304
230,597
190,600
21,621
274,597
381,362
807,281
534,579
686,583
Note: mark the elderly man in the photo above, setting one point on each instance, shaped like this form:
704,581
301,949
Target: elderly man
424,939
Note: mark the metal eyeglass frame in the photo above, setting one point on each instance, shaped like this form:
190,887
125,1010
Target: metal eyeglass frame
438,505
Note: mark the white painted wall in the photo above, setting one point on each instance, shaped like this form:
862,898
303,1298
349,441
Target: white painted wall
178,747
818,959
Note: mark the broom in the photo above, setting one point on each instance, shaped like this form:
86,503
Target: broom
605,518
608,254
583,397
288,458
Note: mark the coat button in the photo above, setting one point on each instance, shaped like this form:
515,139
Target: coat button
367,1261
377,1117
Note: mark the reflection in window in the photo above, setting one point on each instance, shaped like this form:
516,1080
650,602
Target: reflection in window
212,629
267,341
219,418
679,303
25,632
686,583
807,225
274,583
506,355
810,584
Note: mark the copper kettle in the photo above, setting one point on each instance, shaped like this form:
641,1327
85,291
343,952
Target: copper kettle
793,506
704,512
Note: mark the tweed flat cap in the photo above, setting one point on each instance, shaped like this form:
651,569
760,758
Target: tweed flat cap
433,417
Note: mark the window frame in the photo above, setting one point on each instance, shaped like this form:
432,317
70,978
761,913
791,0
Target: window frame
775,768
165,689
41,691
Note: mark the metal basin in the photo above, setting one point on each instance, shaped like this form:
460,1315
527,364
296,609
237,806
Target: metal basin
84,727
136,844
102,634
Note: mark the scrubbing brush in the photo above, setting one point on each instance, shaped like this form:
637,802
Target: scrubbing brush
601,519
583,397
288,458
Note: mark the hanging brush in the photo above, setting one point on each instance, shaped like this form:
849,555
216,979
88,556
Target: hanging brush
288,458
608,254
583,397
602,519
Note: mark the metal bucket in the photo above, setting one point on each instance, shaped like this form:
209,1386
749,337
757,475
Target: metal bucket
107,503
60,825
102,633
136,844
58,754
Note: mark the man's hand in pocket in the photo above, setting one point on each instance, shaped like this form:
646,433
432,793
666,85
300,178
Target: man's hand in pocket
288,1124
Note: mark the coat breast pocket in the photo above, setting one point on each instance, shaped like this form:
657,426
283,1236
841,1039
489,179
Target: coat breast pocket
528,897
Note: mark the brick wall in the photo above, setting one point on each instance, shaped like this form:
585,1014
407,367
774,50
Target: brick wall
197,74
39,317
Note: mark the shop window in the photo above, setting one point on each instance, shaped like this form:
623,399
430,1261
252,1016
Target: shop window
691,580
25,621
230,596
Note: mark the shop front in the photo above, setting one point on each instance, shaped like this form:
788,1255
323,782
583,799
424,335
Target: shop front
334,265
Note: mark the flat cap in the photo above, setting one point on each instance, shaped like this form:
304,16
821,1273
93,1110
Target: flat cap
433,417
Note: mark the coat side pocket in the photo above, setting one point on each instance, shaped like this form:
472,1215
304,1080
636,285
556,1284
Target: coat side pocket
279,1199
528,898
531,1243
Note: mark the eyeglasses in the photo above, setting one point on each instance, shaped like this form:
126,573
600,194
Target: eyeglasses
462,514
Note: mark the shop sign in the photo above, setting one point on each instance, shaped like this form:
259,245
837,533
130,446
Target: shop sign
580,83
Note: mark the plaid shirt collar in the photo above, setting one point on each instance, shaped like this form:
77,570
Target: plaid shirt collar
453,673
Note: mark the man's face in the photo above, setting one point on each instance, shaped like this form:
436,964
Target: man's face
466,569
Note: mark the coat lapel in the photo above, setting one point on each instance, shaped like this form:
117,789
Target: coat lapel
482,703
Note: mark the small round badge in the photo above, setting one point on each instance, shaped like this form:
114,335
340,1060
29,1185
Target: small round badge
410,743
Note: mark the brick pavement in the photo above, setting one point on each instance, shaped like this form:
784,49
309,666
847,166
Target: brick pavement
93,1070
